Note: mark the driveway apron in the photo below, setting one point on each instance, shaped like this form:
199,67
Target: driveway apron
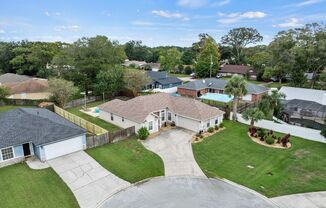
305,200
87,179
174,147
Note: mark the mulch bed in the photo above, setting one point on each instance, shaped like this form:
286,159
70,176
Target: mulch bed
275,145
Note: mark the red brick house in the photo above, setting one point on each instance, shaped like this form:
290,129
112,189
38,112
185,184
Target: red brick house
246,71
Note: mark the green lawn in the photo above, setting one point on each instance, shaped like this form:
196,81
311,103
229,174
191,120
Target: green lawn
23,187
227,154
10,107
179,75
277,85
104,124
129,160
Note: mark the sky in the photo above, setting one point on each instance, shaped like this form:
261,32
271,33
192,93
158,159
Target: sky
154,22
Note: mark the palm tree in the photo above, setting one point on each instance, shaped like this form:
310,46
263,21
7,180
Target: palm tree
252,114
236,87
271,103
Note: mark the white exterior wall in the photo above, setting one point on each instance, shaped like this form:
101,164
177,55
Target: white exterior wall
117,120
211,123
247,97
150,118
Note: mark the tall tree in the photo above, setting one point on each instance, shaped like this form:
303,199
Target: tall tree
6,54
271,104
208,59
110,80
188,57
61,90
253,115
135,80
236,87
136,51
238,39
169,59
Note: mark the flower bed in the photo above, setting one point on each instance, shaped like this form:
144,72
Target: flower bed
269,139
200,137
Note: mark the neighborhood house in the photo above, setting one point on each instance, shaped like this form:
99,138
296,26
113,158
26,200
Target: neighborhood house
154,111
161,80
36,131
245,71
198,88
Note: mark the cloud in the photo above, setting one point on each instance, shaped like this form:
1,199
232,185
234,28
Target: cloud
220,3
192,3
51,14
141,23
306,3
71,28
292,22
236,17
167,14
2,31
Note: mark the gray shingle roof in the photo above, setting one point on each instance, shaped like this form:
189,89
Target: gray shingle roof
162,78
214,83
36,125
168,80
10,78
157,75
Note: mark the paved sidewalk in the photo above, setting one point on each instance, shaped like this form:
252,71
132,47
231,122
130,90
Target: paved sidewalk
306,200
174,147
88,180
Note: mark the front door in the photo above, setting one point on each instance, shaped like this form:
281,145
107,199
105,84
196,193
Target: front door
27,150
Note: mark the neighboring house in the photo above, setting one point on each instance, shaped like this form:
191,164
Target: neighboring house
36,131
302,104
161,80
198,88
153,111
142,64
246,71
25,87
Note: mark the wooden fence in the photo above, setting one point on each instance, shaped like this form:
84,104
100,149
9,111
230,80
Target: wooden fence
90,127
117,135
81,101
22,102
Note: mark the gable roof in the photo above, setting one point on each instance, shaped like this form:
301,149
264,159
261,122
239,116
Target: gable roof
220,84
162,78
28,86
157,75
37,125
137,109
168,80
318,96
10,78
237,69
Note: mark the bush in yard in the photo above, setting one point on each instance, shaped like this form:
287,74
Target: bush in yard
261,133
323,132
210,129
221,125
270,140
216,127
142,133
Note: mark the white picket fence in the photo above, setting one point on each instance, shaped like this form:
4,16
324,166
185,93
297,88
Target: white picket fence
305,133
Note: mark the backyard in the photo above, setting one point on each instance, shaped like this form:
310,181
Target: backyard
11,107
24,187
104,124
232,155
129,160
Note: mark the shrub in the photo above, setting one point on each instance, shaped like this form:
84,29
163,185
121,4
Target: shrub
221,125
270,140
198,134
201,136
188,70
323,132
261,133
142,133
216,127
210,129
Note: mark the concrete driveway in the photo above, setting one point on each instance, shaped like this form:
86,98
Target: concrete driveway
88,180
305,200
186,192
174,147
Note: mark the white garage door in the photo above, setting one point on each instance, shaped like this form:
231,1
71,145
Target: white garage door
63,147
187,123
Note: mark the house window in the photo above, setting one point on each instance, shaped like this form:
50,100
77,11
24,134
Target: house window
150,126
7,153
169,116
111,116
162,115
216,121
208,124
123,119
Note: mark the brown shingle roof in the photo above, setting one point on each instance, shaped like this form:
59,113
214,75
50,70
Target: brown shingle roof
237,69
139,108
29,86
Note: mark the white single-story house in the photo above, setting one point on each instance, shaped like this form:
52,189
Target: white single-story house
153,111
26,132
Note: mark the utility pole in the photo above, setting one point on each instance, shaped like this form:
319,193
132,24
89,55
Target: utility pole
210,68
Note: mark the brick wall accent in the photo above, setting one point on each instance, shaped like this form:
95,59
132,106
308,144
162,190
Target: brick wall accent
187,92
257,97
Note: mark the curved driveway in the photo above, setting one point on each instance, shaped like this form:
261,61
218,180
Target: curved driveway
186,192
174,147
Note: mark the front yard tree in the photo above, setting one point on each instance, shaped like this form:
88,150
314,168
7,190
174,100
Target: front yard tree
208,59
236,87
169,59
110,80
135,80
61,90
4,92
271,104
238,39
253,115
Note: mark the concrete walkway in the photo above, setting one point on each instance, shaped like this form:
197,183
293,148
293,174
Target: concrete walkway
36,164
88,180
174,147
306,200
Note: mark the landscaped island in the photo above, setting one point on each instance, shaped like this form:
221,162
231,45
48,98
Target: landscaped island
231,154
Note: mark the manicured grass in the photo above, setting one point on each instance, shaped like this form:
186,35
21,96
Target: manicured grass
10,107
179,75
129,160
227,154
277,85
23,187
104,124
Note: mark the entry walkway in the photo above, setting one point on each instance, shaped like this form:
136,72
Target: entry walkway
305,200
174,147
88,180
